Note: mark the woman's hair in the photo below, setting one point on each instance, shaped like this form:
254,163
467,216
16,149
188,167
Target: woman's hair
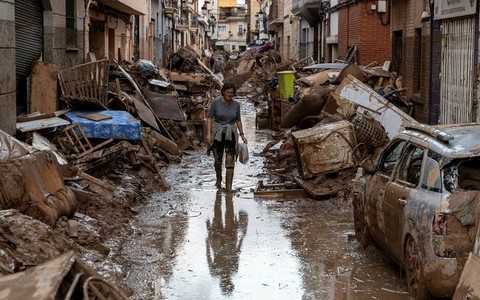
227,86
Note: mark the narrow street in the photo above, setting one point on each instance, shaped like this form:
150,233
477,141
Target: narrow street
193,242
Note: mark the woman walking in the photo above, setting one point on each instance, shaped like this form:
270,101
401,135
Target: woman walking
224,126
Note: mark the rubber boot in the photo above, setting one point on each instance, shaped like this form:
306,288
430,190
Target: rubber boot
218,171
229,164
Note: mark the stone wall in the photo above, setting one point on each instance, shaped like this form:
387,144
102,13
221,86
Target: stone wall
7,71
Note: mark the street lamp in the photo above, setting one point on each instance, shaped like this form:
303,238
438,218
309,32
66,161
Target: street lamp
260,15
212,22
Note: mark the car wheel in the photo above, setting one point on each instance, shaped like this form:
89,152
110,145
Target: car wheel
362,234
415,281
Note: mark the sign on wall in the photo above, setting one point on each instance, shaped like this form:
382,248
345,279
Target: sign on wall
445,9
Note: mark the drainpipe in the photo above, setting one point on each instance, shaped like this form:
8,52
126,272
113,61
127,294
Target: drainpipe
86,30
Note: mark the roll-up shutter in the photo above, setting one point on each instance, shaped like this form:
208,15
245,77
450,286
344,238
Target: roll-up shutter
458,73
28,43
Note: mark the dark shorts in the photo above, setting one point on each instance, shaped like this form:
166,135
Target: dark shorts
221,147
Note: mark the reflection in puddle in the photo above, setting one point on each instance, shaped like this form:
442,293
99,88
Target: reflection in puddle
193,242
226,232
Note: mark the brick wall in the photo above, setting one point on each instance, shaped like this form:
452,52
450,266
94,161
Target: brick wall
359,25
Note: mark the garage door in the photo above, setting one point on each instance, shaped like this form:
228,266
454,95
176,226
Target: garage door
28,43
458,74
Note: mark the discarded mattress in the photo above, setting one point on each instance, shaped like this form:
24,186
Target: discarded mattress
117,124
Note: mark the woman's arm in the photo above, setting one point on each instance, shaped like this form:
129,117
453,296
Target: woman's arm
240,130
209,129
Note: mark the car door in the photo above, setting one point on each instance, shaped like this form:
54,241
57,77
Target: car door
384,172
398,192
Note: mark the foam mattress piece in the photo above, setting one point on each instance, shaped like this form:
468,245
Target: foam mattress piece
121,125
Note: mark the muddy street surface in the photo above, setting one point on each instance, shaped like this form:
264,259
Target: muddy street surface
194,242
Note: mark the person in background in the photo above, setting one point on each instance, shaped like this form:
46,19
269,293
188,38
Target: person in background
224,127
218,67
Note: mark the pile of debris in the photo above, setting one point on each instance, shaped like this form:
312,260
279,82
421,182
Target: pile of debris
62,170
121,121
329,123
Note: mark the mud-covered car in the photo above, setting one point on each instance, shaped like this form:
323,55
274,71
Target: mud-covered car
257,46
419,202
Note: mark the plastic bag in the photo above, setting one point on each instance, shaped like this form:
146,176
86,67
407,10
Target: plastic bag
242,153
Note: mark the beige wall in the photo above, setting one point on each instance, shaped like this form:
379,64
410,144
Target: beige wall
289,40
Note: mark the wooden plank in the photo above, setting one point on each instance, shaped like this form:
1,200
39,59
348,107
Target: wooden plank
41,124
163,129
280,194
95,148
94,116
215,78
38,116
97,181
245,66
187,77
145,113
44,87
278,191
315,190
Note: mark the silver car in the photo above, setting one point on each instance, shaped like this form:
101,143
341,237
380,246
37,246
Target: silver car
419,203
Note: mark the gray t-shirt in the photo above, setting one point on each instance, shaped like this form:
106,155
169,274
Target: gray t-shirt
223,113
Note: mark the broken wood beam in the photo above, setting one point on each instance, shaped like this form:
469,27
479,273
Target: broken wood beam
96,181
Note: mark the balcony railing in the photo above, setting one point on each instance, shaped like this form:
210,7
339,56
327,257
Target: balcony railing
171,3
295,5
275,15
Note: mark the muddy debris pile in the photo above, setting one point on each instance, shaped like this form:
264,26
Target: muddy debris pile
77,167
328,120
76,171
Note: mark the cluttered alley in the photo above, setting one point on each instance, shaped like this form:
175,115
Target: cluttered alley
194,242
115,195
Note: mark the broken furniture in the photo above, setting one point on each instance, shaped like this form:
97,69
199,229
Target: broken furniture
65,277
85,85
75,139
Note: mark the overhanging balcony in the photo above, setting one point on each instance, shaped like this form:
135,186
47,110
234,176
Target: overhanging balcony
308,9
170,7
129,7
275,17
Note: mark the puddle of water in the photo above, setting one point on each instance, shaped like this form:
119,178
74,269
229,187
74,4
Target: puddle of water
193,242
